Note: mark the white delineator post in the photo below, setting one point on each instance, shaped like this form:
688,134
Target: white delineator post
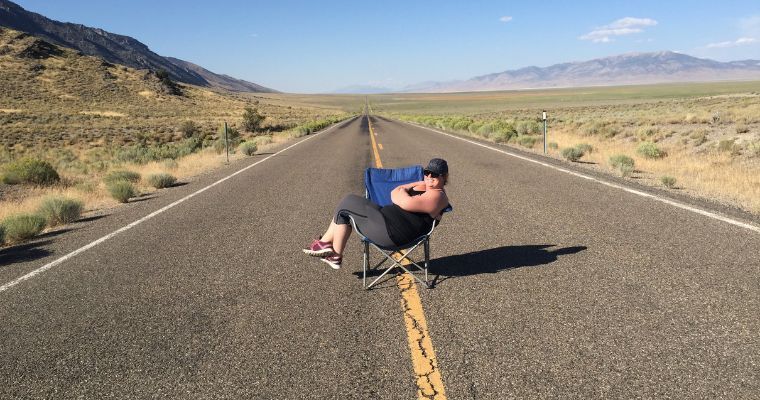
544,117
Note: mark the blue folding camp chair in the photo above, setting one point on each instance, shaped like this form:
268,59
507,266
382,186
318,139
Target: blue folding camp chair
378,183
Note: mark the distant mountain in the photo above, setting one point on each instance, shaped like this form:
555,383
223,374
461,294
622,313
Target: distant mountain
117,49
625,69
362,89
427,85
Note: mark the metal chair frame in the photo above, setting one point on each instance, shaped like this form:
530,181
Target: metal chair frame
403,251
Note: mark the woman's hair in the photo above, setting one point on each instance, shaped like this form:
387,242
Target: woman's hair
445,179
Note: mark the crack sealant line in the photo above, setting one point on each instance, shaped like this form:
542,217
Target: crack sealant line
149,216
665,200
429,380
428,377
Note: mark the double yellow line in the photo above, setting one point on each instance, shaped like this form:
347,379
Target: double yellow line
426,371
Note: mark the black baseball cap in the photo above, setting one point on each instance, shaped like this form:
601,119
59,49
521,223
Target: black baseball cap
438,166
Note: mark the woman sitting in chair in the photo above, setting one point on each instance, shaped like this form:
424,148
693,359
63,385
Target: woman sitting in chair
415,207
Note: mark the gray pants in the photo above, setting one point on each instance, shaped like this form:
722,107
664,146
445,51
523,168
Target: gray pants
367,216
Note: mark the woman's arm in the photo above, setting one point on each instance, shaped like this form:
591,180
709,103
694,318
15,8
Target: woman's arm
399,194
428,202
402,191
411,185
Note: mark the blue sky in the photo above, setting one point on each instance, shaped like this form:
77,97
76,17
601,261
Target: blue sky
321,46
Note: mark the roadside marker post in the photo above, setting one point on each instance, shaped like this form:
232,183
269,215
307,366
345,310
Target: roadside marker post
226,143
544,116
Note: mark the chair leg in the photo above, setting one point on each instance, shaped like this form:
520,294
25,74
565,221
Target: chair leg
366,264
427,261
397,263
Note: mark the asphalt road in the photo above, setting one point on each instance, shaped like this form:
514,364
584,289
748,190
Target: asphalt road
547,286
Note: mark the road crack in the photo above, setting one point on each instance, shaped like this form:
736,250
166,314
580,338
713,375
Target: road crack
427,374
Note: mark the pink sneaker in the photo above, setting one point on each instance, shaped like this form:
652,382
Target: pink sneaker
333,261
318,248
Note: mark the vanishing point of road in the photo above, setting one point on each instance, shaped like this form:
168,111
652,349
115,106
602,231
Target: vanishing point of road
547,285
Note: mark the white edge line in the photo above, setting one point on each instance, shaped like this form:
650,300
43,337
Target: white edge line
147,217
610,184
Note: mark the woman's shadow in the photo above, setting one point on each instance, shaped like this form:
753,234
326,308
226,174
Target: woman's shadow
494,260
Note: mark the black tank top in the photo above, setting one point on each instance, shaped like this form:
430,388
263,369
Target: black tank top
404,226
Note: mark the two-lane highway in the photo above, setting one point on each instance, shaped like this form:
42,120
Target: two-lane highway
547,286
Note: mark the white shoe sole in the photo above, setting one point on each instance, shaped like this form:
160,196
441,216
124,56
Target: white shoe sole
332,265
319,253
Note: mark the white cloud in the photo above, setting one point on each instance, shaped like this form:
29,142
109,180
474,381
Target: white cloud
505,18
735,43
623,26
629,22
254,35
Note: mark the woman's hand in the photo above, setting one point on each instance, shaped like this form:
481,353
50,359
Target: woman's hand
399,194
412,185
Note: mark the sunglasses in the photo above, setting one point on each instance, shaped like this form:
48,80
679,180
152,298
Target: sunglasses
432,174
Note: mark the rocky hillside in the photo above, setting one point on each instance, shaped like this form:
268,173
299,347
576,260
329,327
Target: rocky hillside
220,80
53,97
114,48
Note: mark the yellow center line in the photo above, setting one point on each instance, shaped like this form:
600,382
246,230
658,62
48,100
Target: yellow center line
378,163
429,381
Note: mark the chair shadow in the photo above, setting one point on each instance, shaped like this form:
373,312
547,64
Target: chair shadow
488,261
24,252
497,259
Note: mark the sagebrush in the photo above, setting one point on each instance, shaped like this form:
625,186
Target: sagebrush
162,180
30,170
122,191
59,210
572,154
121,175
248,148
21,227
623,163
668,181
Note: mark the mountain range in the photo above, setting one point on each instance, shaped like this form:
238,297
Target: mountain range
624,69
117,49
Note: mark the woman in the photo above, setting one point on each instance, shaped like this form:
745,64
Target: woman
415,206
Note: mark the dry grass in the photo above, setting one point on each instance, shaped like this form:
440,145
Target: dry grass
92,190
34,197
187,167
104,113
716,175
